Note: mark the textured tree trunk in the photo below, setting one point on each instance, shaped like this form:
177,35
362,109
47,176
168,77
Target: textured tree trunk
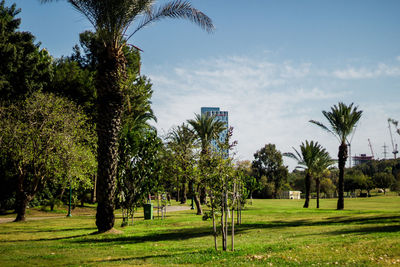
183,192
197,201
214,225
342,156
111,75
94,189
198,205
275,192
233,229
308,189
226,221
178,195
203,195
223,226
317,182
22,199
21,204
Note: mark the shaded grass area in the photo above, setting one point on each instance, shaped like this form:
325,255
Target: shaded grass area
273,232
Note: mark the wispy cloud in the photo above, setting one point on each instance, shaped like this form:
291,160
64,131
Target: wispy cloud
382,70
268,102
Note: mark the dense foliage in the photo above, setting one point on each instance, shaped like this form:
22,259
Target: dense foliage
269,170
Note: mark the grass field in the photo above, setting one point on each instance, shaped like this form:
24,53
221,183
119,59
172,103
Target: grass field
273,233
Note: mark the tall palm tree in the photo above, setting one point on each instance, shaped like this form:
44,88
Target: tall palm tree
314,159
207,128
342,120
112,21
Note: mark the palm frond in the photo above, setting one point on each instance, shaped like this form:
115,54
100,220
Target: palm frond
324,127
176,9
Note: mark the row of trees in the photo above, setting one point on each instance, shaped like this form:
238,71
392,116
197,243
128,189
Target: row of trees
48,118
50,114
318,167
109,68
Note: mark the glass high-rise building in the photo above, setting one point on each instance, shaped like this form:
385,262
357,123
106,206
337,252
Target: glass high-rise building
220,116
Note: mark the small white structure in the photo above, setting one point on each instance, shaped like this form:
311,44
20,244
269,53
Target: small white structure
291,194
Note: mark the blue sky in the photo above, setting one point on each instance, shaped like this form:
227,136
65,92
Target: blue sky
273,65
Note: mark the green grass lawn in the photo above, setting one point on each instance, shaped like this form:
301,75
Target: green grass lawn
273,233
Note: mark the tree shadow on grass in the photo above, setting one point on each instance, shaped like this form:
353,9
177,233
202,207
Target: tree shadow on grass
176,234
46,230
331,221
368,230
45,239
169,255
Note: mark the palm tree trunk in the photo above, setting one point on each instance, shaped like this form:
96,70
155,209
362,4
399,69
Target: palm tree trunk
308,189
317,181
111,75
342,156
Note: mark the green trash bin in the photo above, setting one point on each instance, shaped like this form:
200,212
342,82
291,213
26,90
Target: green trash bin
148,211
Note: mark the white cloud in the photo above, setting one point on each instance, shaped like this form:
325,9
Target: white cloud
268,102
381,70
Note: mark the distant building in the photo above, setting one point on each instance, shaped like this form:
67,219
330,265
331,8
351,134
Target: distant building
363,158
220,116
291,194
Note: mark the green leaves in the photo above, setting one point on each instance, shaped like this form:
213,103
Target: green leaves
47,137
312,157
207,128
24,67
342,120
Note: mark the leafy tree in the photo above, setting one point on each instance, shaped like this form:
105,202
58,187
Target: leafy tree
296,180
327,186
24,67
314,159
250,182
268,163
112,21
207,128
342,121
383,180
395,187
223,181
8,185
139,170
76,83
139,147
355,179
182,141
46,137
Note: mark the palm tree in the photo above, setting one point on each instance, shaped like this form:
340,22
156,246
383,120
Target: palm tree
112,21
207,128
342,121
314,159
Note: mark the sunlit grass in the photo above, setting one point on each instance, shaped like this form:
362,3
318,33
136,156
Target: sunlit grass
273,232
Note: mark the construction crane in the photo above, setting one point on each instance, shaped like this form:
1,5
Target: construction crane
370,146
349,144
394,146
